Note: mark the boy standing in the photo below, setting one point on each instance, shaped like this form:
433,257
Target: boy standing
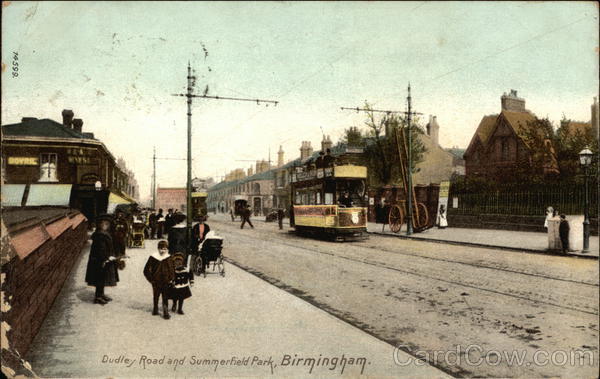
183,281
160,272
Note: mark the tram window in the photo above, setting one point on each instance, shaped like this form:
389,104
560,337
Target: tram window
298,198
318,198
328,198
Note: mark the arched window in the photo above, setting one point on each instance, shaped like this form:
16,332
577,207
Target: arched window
257,188
48,168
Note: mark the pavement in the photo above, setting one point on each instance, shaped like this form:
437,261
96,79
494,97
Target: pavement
499,239
234,326
489,238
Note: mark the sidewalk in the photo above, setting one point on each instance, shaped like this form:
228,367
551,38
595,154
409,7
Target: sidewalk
496,239
239,315
499,239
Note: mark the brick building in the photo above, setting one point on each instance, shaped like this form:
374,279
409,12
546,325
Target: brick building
500,146
43,151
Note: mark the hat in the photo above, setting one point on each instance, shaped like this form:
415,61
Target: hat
104,217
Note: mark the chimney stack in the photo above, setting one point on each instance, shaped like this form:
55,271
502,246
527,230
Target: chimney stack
326,143
77,124
433,129
280,157
595,117
67,116
511,102
306,150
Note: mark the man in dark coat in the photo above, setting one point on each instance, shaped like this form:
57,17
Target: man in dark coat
280,218
120,234
169,222
160,224
563,232
246,212
152,224
101,268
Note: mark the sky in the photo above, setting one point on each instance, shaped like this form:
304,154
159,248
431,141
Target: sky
117,64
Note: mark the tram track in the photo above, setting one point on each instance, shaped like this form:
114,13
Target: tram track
315,249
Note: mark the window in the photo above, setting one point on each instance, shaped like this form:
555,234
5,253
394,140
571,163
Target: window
504,149
48,168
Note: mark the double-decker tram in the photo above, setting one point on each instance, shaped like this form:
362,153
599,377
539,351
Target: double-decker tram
329,202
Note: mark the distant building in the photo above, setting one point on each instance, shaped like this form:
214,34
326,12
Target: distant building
171,198
43,151
500,147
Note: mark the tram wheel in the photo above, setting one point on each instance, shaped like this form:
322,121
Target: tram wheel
396,218
423,219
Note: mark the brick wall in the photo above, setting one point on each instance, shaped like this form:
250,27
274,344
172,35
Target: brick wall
31,284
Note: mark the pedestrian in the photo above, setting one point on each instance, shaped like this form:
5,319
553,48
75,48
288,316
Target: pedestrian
152,224
563,232
101,269
442,221
199,232
181,285
550,213
280,216
246,212
177,236
160,272
231,213
169,221
381,213
160,224
120,234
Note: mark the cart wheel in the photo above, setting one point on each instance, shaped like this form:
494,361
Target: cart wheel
423,219
396,218
197,268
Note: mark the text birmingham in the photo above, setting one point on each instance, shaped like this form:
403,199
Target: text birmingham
331,363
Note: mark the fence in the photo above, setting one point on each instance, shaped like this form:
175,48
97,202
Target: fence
527,203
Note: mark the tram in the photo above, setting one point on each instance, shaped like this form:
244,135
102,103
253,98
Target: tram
329,202
199,204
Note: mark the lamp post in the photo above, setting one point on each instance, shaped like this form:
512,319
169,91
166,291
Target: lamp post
585,159
98,188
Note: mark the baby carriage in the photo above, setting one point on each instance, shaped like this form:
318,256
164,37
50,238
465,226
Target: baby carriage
210,250
137,238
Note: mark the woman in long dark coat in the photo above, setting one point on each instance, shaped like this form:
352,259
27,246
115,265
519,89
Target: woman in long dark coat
101,269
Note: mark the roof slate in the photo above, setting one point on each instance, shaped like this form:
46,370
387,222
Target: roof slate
32,127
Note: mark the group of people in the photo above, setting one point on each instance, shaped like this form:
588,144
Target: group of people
563,228
167,269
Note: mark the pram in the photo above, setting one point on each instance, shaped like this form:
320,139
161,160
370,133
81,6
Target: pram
210,250
137,238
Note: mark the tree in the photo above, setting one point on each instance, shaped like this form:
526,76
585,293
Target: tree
381,149
569,141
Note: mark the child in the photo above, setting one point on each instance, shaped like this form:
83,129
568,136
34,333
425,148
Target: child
160,272
183,281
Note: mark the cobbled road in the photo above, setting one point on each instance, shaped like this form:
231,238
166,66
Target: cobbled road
469,311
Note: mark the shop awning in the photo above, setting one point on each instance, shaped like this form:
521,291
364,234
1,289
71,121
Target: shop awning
114,200
49,194
12,195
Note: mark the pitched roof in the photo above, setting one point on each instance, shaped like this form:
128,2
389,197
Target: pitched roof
33,127
518,121
573,127
485,128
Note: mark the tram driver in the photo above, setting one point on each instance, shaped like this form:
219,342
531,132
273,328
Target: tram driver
345,200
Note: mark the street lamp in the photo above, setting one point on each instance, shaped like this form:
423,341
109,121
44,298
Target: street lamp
585,159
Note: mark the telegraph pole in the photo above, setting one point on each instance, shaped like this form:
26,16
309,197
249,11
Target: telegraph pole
154,158
154,178
408,114
191,82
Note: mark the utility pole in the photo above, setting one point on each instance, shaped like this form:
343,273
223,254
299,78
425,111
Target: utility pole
191,82
154,178
154,158
409,192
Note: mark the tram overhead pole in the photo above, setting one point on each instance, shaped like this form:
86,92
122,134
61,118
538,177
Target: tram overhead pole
191,83
408,113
